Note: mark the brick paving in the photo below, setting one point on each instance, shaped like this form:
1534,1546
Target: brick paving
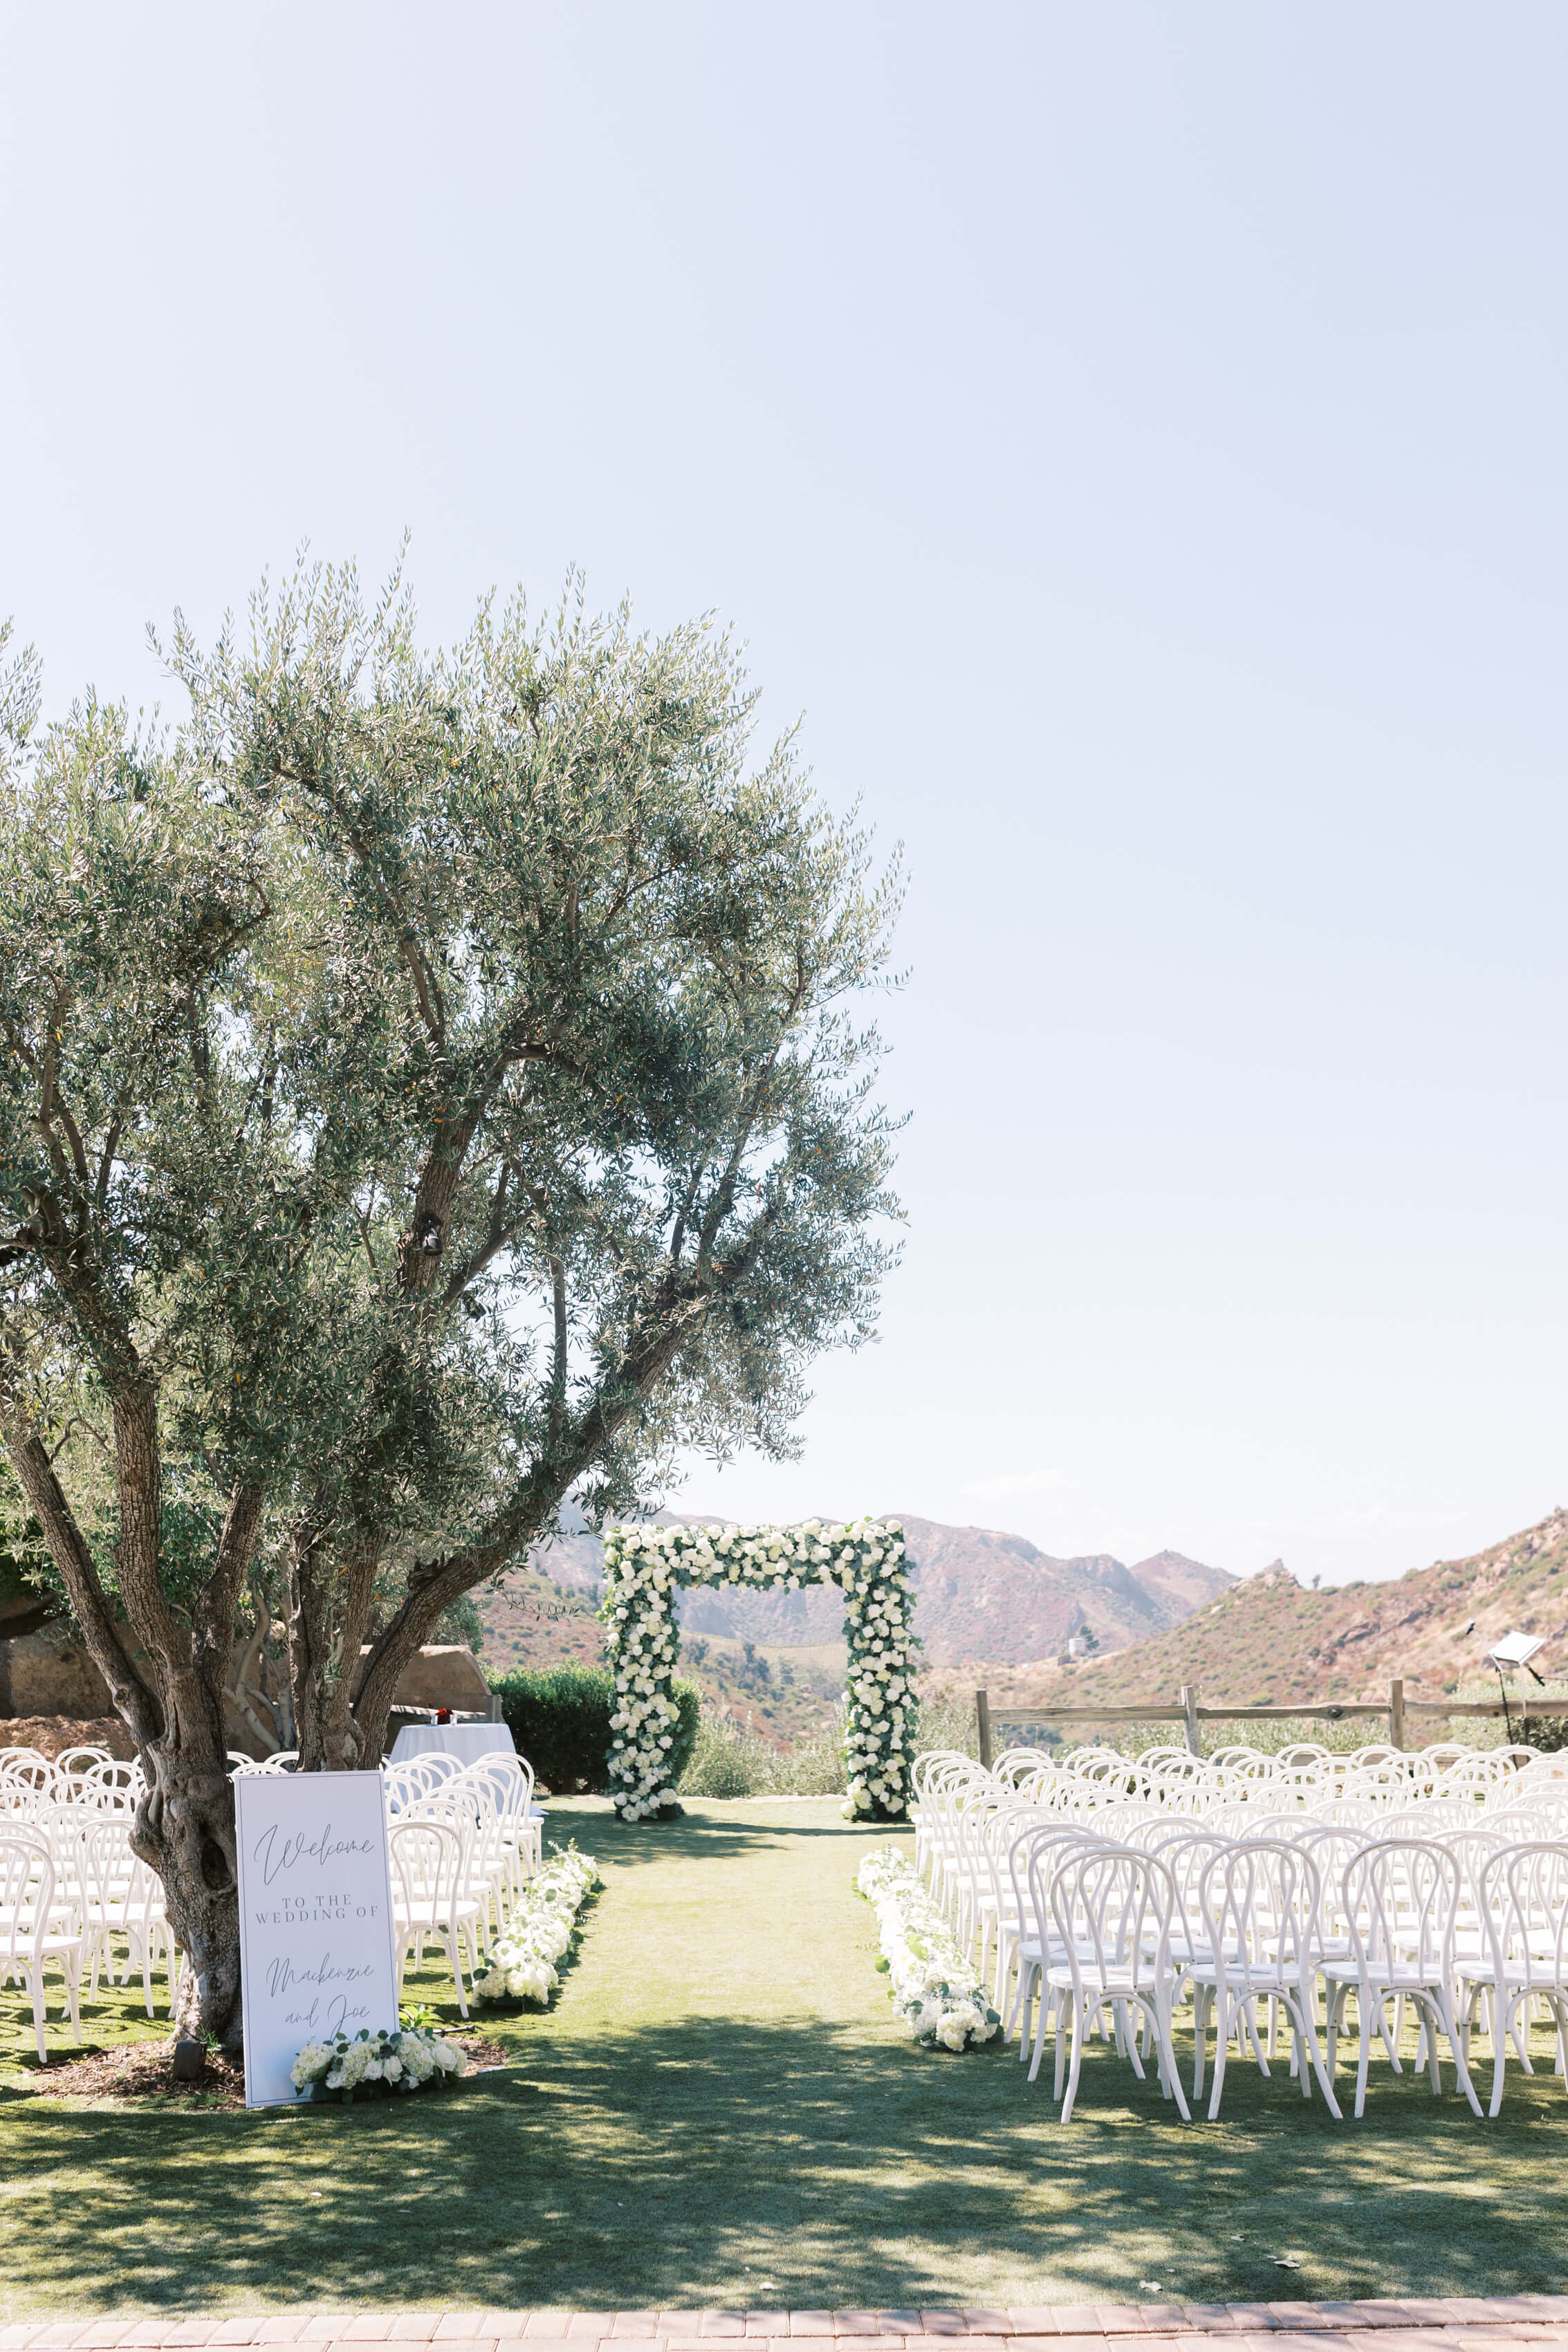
1464,2324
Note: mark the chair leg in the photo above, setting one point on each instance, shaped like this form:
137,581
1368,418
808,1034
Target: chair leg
1169,2075
1040,2037
1501,2006
1221,2044
1364,2058
1519,2029
1077,2059
1443,2015
1127,2035
1202,1999
454,1958
1020,2005
1060,2002
1309,2027
1247,2023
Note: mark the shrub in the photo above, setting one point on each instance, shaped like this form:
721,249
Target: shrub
725,1761
560,1718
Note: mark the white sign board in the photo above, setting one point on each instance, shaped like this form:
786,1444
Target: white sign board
317,1951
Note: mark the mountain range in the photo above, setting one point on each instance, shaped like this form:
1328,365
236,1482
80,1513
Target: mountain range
1267,1639
978,1593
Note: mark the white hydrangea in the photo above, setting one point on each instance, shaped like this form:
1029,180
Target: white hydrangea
932,1978
402,2062
520,1964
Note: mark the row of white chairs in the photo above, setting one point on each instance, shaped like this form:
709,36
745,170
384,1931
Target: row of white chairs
1307,1770
463,1839
1117,1911
70,1891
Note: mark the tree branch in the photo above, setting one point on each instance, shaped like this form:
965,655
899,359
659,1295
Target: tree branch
133,1702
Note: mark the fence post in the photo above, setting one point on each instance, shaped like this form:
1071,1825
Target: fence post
983,1718
1190,1708
1396,1714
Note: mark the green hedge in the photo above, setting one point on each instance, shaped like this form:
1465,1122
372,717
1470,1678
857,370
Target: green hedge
559,1718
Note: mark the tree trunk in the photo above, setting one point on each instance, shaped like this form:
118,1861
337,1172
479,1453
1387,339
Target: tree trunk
330,1600
184,1828
168,1693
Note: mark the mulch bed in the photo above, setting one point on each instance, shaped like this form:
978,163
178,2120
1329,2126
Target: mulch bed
137,2071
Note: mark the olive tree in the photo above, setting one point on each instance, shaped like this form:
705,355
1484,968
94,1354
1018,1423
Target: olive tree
433,1085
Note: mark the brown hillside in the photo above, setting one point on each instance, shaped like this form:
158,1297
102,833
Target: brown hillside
530,1621
1267,1639
978,1593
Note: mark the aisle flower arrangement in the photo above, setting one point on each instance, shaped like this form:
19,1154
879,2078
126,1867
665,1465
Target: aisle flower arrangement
376,2065
934,1984
521,1963
645,1566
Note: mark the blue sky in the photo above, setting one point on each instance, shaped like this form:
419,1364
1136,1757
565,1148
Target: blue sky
1133,438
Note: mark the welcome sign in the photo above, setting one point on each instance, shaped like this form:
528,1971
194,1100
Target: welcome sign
318,1955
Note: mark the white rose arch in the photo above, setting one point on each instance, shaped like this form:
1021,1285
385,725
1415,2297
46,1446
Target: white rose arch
645,1567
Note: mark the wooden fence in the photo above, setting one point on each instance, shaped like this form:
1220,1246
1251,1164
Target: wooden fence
1396,1709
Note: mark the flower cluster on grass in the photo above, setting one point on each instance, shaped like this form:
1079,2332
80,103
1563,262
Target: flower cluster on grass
521,1963
643,1568
374,2065
934,1983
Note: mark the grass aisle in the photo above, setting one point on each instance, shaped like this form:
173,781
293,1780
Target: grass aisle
720,2110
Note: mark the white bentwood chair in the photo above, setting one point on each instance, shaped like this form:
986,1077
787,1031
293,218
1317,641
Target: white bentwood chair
38,1926
1261,1906
1112,1910
1401,1901
1523,1897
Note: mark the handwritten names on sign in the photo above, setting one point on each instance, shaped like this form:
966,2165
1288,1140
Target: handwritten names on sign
318,1954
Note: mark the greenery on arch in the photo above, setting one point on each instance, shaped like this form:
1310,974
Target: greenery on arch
645,1567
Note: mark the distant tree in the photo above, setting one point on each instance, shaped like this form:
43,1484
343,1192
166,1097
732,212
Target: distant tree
432,1086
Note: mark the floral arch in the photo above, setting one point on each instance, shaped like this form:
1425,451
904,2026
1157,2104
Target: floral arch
645,1567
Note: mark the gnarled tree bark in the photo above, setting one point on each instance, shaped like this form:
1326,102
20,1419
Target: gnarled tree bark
169,1695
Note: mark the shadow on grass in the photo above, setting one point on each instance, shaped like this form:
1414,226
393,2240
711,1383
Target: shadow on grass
781,2163
715,1834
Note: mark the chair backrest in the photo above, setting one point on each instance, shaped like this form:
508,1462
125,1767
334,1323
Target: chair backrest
1526,1823
1472,1849
1401,1898
426,1859
1524,1899
1112,1908
27,1893
106,1862
510,1780
1032,1853
109,1787
1260,1903
25,1772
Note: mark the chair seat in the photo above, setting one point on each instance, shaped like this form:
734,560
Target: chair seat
1265,1976
1106,1980
1386,1980
1519,1971
433,1914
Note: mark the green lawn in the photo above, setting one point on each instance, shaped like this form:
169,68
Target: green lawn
721,2110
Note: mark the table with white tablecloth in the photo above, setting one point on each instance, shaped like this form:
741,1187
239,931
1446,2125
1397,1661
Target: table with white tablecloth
466,1741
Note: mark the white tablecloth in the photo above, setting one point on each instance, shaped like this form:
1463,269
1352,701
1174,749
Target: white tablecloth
466,1740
